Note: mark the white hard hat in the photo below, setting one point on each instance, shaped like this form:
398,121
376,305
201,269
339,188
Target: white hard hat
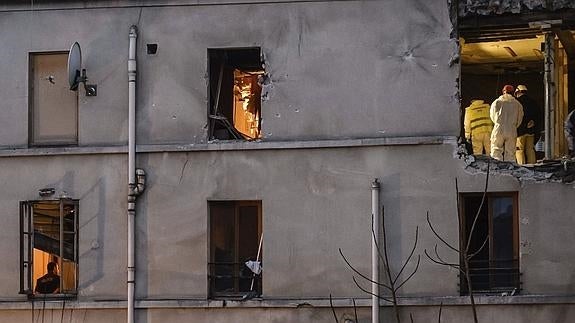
521,88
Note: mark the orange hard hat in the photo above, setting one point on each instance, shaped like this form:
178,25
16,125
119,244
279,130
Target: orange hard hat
508,89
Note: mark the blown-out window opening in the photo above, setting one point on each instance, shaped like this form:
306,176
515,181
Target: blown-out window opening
534,55
235,85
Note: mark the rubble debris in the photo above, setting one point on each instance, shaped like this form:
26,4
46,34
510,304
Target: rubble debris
561,171
498,7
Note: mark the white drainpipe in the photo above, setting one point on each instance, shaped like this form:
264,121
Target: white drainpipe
136,178
374,252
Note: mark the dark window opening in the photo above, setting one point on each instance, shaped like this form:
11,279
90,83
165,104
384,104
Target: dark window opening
235,238
49,247
235,78
494,268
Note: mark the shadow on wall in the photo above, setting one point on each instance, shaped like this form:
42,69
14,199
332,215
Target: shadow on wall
390,198
92,260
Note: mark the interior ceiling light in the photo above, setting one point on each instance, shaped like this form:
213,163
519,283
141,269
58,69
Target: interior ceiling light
510,51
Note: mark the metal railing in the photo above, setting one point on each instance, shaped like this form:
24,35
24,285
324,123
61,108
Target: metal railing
232,279
493,277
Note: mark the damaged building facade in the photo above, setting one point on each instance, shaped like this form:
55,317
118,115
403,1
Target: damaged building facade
260,127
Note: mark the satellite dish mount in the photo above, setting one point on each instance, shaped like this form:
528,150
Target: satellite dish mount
77,74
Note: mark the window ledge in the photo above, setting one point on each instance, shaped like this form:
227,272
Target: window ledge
225,145
19,304
52,297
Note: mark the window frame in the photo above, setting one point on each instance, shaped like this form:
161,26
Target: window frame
236,294
214,104
516,283
27,240
32,142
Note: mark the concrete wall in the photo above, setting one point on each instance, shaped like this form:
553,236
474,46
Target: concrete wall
339,70
336,69
314,202
450,314
97,183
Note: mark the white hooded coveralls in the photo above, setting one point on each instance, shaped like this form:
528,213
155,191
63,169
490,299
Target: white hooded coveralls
506,113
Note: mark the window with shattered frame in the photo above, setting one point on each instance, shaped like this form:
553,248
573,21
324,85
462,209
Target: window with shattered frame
496,54
235,85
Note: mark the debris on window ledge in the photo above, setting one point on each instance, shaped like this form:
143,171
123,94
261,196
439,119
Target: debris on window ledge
557,170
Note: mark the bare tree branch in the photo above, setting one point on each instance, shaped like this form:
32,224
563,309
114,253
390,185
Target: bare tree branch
354,310
360,274
479,208
438,236
383,256
480,248
368,292
443,263
409,257
375,242
411,275
332,309
463,250
440,309
388,269
441,259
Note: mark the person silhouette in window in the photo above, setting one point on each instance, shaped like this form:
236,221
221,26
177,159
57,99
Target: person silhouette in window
49,283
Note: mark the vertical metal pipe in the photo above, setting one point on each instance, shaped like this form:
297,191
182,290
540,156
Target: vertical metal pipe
131,268
375,187
549,80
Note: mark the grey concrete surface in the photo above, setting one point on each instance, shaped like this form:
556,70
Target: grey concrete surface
97,183
314,202
336,71
561,313
360,90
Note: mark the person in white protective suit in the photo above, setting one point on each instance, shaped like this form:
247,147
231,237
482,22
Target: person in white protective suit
506,113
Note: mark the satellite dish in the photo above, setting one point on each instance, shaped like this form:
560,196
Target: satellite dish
76,74
74,66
